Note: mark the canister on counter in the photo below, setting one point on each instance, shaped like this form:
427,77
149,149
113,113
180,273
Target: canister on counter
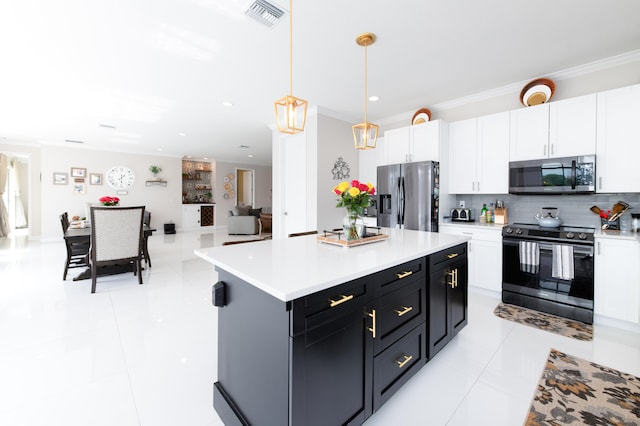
635,222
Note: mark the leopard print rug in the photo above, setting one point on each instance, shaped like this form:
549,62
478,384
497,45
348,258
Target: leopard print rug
543,321
573,391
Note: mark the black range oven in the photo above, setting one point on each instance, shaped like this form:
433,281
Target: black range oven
549,269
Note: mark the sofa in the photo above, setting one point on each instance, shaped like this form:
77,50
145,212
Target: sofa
243,220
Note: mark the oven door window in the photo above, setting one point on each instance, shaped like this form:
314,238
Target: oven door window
542,283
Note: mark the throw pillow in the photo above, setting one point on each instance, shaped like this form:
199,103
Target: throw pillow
255,212
241,210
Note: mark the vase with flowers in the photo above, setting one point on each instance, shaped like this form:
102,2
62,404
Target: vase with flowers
354,196
109,201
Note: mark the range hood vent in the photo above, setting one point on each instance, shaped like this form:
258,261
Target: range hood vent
264,12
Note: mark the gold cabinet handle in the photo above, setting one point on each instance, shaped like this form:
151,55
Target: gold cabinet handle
403,310
456,270
404,274
406,359
372,329
343,299
452,275
452,255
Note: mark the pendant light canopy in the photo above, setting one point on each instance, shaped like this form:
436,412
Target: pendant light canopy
365,134
291,112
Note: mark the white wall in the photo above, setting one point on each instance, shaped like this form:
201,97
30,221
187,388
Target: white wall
164,203
335,139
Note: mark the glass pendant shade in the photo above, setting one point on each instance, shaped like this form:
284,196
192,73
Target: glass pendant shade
291,114
365,135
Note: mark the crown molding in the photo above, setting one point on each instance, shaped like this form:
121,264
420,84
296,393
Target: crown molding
591,67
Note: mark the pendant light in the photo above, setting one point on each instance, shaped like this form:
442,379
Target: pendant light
291,112
365,134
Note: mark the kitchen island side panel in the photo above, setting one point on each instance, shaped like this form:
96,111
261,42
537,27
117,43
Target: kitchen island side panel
253,354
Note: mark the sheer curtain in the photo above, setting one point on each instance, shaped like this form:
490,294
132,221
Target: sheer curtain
21,217
4,215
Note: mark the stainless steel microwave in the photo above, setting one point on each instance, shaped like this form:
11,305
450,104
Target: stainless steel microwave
568,175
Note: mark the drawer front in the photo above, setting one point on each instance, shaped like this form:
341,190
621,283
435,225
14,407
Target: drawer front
442,258
397,364
393,278
398,312
316,309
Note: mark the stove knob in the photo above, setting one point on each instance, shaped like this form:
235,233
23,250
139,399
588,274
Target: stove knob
582,236
519,231
570,235
509,231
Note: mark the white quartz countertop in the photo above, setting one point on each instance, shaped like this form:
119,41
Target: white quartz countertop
475,225
294,267
618,235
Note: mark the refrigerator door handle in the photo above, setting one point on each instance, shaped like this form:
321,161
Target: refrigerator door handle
402,202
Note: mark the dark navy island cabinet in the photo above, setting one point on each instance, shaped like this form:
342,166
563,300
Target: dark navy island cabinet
335,356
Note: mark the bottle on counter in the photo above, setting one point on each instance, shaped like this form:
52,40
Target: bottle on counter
483,214
490,213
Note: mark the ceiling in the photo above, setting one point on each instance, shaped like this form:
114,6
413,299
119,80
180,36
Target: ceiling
155,73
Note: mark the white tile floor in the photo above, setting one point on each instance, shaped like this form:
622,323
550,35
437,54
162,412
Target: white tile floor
146,355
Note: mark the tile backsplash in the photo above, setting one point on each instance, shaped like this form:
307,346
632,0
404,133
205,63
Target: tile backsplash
573,209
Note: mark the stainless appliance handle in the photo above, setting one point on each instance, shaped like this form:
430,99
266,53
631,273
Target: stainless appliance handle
573,174
583,250
403,200
399,202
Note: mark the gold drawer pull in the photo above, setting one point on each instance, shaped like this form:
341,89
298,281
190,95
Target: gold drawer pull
404,274
404,361
452,255
372,329
403,310
343,299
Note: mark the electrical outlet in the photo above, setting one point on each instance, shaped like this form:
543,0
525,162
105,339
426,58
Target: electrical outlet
462,204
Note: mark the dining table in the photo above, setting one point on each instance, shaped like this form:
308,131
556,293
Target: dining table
83,235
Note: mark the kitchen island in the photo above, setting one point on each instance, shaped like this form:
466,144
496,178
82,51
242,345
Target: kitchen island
310,333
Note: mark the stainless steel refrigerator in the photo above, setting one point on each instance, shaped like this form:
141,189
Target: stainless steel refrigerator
408,195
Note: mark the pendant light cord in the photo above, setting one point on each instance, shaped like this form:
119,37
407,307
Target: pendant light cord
290,47
365,82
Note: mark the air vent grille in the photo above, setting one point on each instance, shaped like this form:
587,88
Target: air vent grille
264,12
73,141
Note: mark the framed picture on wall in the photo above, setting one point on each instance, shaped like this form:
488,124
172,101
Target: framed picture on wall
60,178
78,172
79,187
95,178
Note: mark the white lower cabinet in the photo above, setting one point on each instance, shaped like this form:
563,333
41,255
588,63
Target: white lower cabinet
617,279
484,254
197,215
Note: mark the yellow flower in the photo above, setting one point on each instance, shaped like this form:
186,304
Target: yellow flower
354,191
341,187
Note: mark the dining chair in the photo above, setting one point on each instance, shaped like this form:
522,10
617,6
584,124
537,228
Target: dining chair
145,250
77,252
116,239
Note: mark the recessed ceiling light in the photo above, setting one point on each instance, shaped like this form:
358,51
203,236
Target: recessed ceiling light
188,156
182,134
158,149
227,104
374,98
250,155
206,158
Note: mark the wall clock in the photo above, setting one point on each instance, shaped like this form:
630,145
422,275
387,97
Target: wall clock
119,177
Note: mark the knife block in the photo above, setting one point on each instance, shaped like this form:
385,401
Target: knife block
500,216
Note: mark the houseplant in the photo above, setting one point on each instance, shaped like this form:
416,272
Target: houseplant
354,197
155,170
109,201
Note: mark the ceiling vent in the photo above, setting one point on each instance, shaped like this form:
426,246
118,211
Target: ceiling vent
264,12
73,141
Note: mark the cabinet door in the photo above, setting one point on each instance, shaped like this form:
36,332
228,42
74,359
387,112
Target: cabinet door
458,297
191,216
332,366
492,154
439,306
462,157
529,133
425,141
617,274
485,264
206,216
572,127
618,133
397,142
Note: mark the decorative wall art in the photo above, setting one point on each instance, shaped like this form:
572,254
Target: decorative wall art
228,186
79,187
78,172
60,178
95,178
340,170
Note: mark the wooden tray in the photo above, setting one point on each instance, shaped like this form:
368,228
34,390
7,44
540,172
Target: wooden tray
337,238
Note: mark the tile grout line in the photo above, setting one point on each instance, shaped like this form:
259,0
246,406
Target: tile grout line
480,375
124,358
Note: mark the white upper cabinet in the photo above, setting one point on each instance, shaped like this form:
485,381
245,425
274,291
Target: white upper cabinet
618,140
529,133
558,129
479,155
414,143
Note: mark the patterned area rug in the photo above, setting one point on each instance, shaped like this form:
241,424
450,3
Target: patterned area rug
565,327
573,391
